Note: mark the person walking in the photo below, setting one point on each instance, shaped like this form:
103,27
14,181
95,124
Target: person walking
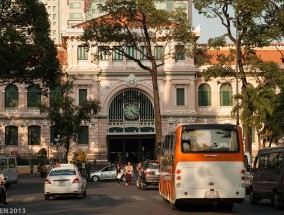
119,173
3,192
129,171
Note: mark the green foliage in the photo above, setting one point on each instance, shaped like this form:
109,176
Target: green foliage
258,23
27,54
80,156
66,115
139,23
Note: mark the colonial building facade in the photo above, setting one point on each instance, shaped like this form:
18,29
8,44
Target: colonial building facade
124,128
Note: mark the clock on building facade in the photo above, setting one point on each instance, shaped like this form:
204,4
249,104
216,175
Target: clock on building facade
131,111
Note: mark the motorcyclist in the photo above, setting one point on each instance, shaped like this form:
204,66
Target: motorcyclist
3,192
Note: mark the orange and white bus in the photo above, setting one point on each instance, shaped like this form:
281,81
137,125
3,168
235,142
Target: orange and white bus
203,163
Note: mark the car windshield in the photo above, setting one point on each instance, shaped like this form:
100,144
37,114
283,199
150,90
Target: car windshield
62,172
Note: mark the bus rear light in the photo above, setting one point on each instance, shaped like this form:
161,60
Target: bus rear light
243,177
243,171
178,177
178,171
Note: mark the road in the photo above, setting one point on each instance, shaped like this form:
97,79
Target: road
107,198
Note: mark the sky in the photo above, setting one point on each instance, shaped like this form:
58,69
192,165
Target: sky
210,27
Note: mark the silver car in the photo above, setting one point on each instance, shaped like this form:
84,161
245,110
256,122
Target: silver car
106,173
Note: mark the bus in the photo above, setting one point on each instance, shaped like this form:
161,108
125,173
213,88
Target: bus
202,163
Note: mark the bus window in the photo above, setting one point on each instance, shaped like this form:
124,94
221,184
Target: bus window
206,140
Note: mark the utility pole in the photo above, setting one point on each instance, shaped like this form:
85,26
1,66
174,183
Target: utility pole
237,69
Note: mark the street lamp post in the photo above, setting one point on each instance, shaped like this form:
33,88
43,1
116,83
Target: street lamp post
237,69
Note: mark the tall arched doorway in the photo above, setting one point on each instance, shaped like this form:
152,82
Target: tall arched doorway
131,130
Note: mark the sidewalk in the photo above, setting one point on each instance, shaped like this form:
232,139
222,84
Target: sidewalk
24,178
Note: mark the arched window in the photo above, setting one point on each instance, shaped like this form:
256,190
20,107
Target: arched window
34,135
204,95
11,135
226,95
11,96
83,136
33,95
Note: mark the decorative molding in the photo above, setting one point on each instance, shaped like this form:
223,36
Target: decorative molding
131,81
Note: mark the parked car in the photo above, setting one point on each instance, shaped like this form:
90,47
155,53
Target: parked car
149,175
65,180
8,166
106,173
267,176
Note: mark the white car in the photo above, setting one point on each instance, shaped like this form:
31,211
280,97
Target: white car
65,180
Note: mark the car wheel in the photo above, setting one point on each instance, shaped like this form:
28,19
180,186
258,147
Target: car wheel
46,196
138,183
85,192
95,178
143,186
276,200
252,198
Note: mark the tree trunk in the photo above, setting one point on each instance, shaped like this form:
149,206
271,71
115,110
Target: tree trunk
158,123
248,140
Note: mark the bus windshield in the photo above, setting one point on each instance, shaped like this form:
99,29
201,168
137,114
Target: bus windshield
207,140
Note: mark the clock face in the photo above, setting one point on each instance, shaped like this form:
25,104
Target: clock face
131,111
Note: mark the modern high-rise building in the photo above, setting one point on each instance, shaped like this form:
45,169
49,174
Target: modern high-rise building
67,13
64,13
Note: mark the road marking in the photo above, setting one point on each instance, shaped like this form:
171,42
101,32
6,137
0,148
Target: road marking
137,198
115,197
9,199
28,199
157,197
95,197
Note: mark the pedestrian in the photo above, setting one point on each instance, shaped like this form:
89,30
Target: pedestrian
83,169
3,192
43,171
129,171
119,173
88,171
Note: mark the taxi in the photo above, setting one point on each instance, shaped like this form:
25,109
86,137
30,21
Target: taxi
65,180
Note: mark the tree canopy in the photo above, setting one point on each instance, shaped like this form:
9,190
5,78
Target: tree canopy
258,24
27,54
66,115
141,25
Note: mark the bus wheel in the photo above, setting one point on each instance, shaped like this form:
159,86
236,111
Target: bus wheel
173,206
276,200
226,206
252,198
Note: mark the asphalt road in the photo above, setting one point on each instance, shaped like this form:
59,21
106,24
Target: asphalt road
107,198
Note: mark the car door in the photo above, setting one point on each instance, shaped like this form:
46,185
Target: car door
106,173
272,173
12,169
258,174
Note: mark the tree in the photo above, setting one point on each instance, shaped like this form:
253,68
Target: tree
141,25
66,116
258,23
27,54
